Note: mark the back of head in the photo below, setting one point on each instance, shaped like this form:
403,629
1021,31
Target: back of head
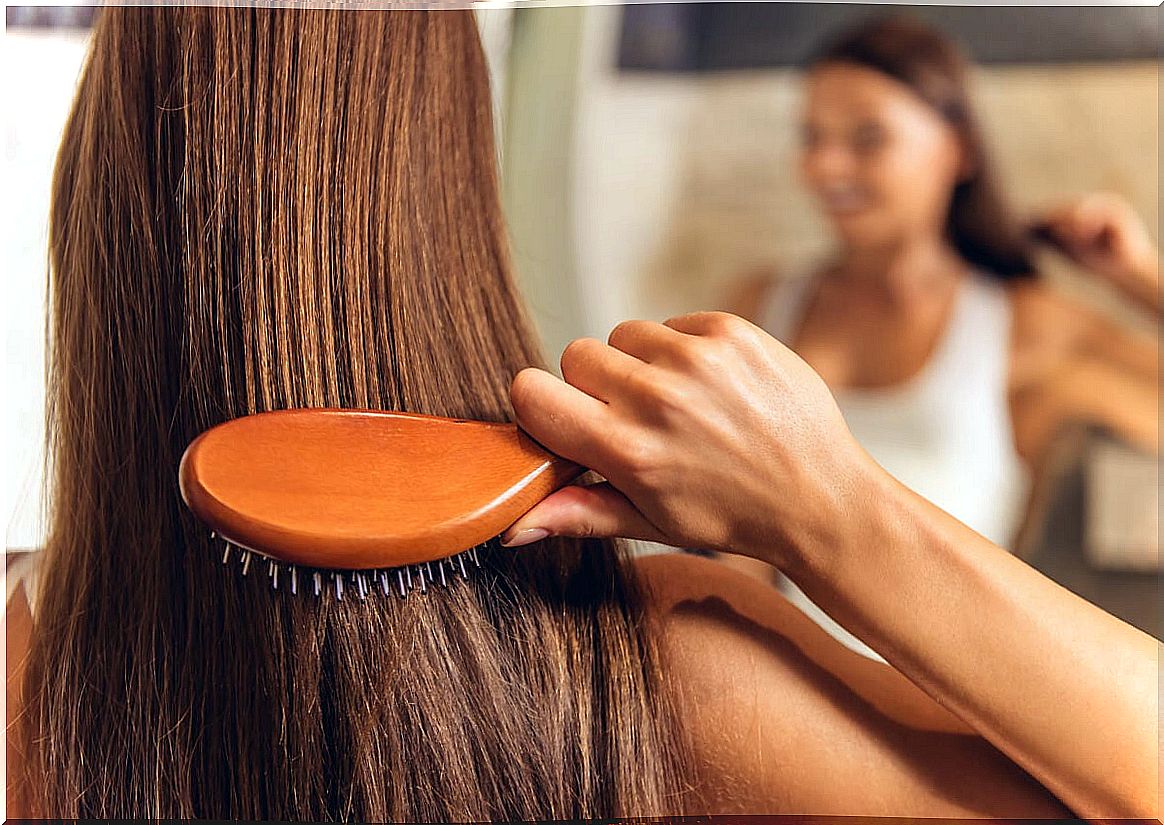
260,209
931,65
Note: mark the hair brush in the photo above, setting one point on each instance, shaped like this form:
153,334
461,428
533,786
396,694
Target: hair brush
380,500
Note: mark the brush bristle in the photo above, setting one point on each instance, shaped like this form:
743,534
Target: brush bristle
389,581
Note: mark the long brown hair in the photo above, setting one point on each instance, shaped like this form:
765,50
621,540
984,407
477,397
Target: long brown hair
257,209
979,223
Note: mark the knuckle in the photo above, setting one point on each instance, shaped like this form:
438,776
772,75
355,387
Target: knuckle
644,383
638,456
711,356
669,397
737,329
737,336
722,324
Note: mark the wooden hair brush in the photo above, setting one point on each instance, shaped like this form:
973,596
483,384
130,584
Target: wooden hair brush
381,500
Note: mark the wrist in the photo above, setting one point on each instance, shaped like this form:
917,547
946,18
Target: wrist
835,516
887,550
1147,272
1141,276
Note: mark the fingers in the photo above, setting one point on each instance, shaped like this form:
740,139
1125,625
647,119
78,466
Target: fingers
645,340
1089,220
597,369
1083,224
564,419
595,511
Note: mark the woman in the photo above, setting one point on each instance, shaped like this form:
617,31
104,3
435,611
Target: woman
953,365
257,209
224,242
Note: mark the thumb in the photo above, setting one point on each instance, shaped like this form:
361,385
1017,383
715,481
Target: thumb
597,510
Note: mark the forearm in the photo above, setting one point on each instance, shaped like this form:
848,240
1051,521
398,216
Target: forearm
1065,690
1097,392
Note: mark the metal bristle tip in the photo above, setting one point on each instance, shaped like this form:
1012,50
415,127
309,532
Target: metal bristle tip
409,578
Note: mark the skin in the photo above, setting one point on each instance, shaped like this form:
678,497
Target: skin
1102,233
882,164
786,721
702,427
18,629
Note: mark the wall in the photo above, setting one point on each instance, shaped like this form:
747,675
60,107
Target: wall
36,113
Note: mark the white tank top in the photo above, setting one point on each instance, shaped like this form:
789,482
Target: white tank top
946,433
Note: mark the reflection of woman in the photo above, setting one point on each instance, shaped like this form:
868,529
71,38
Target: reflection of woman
953,366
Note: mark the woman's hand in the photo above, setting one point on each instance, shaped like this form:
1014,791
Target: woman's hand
713,435
1102,233
710,432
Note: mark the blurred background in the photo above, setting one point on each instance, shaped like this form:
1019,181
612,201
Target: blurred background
671,133
649,159
651,162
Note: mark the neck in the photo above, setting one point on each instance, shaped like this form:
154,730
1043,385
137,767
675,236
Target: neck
903,271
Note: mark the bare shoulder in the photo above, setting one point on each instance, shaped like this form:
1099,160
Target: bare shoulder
784,719
1050,330
712,614
1031,294
695,590
17,635
1046,317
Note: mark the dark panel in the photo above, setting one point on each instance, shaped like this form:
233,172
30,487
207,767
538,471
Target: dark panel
715,36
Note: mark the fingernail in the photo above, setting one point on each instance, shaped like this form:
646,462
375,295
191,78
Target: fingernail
527,536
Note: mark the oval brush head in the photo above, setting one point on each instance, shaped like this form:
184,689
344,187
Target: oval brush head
364,490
